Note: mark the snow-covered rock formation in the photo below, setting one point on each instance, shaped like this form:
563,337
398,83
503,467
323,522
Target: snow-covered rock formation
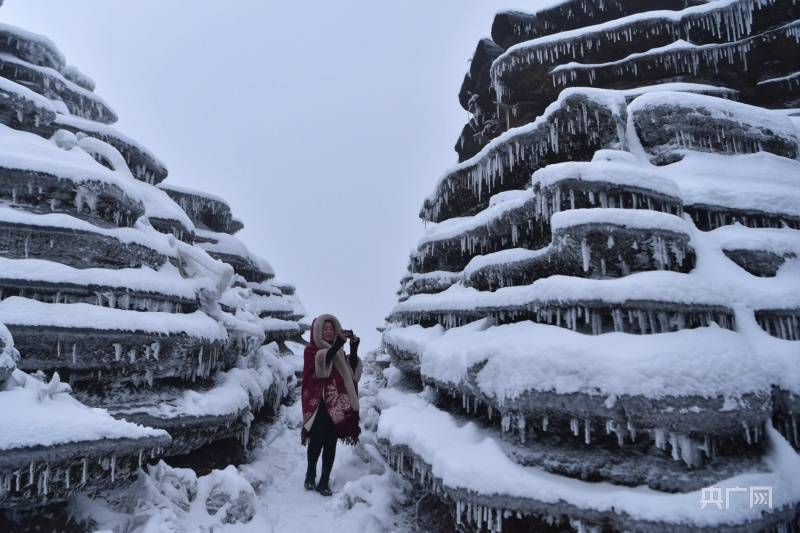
605,306
117,291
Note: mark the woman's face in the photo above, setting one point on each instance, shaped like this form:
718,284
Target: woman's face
328,331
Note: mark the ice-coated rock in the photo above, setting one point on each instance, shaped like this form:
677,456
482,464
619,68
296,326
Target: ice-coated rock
605,305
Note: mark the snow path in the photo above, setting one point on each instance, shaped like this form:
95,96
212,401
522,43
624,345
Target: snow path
368,495
365,488
287,506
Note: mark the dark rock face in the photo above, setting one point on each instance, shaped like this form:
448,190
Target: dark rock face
574,129
665,129
744,46
617,154
74,247
113,285
513,27
209,213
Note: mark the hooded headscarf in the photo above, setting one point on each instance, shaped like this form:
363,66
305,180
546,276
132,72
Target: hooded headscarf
334,384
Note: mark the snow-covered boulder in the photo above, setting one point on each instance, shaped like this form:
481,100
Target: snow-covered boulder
8,354
53,446
603,314
136,295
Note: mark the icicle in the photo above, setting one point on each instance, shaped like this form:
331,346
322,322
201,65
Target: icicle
505,423
585,254
632,430
673,442
597,323
200,362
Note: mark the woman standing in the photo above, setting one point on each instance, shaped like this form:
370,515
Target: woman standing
329,397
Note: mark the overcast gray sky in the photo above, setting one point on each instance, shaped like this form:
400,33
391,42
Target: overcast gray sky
324,124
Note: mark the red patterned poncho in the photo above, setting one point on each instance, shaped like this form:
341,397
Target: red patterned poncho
337,384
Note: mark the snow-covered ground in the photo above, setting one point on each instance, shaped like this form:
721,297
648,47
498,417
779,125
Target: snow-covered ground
266,494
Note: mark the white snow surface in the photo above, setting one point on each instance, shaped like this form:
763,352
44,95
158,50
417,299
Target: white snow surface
413,339
276,325
451,450
25,35
18,311
525,356
499,204
8,354
282,284
698,179
236,390
294,360
266,286
678,44
166,280
27,151
228,244
629,218
157,203
744,289
680,86
192,192
53,74
618,172
719,108
661,286
20,91
141,234
503,257
268,490
780,241
92,126
441,276
36,414
262,304
761,181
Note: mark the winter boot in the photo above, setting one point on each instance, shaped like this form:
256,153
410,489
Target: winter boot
323,487
310,483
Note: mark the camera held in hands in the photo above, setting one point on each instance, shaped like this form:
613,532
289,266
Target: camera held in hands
349,333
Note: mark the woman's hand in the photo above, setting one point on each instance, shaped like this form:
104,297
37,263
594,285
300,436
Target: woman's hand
354,341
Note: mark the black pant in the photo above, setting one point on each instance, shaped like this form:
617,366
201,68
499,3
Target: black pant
321,438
